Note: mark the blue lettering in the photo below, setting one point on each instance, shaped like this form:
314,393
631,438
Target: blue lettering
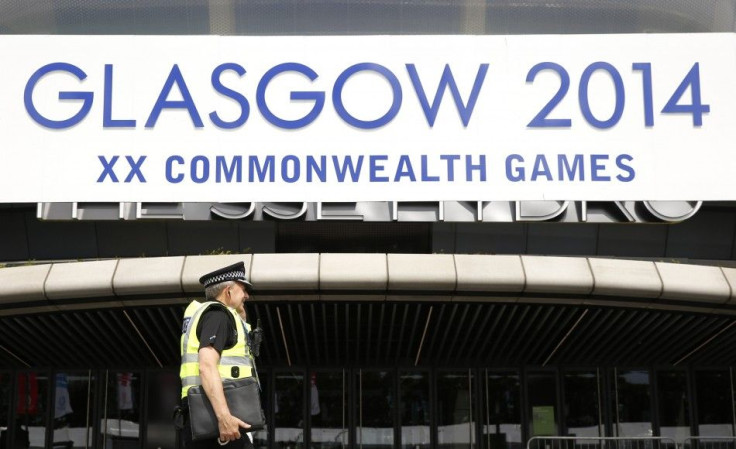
285,168
696,107
86,97
375,168
447,80
576,169
205,165
316,168
541,168
175,77
169,162
367,124
597,167
135,169
234,170
107,120
317,97
515,174
255,168
540,120
229,93
618,85
404,169
107,168
450,160
646,78
347,165
621,160
480,167
425,175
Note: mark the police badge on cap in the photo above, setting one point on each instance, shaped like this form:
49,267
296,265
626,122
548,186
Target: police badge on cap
234,272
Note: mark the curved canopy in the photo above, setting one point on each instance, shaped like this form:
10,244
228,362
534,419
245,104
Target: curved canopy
380,309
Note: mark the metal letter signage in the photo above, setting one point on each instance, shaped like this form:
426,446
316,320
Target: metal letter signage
562,119
384,211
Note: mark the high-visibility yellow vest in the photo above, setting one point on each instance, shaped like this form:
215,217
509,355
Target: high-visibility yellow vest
235,362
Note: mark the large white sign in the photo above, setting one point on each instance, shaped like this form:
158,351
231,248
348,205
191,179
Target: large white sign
367,118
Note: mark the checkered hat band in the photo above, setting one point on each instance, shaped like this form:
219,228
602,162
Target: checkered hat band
230,276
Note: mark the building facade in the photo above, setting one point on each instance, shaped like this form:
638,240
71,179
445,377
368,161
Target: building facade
389,324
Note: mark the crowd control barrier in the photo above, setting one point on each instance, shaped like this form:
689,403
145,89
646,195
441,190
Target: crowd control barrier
605,443
709,443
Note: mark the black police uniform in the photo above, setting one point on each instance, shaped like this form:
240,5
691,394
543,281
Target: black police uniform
218,324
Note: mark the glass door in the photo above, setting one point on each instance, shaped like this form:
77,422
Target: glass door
456,422
375,409
6,392
120,425
260,438
542,411
288,410
715,408
582,406
74,396
502,427
163,395
328,407
31,419
674,405
632,413
414,409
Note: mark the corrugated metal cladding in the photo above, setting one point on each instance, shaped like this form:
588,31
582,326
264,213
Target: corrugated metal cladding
336,17
424,334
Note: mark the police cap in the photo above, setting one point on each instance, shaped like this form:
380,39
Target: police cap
234,272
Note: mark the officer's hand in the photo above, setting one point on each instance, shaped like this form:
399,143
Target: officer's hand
230,428
241,311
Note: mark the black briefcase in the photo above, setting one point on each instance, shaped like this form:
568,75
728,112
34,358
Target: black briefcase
243,400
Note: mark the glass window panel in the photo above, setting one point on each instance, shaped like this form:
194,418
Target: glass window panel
414,406
31,420
288,409
328,409
542,412
329,17
582,406
73,398
502,429
120,423
163,395
455,407
715,412
674,405
260,438
631,392
376,409
126,17
6,393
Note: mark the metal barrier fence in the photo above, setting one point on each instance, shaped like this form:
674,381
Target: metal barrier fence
709,443
605,443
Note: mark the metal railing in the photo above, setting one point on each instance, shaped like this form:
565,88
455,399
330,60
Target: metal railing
709,443
604,443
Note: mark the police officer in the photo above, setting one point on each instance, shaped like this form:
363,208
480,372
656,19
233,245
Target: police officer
214,346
